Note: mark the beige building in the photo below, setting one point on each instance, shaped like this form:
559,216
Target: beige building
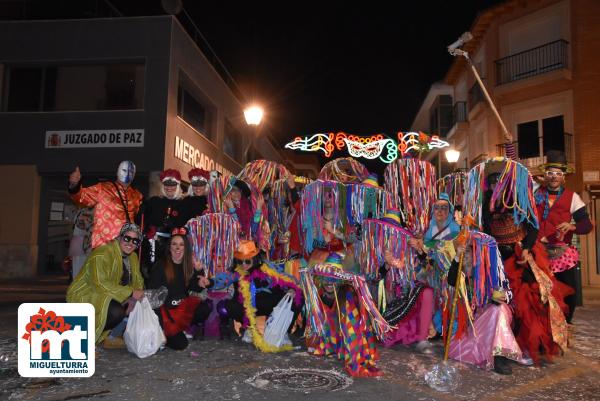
540,63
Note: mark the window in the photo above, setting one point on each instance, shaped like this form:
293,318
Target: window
117,86
231,141
194,111
440,118
537,137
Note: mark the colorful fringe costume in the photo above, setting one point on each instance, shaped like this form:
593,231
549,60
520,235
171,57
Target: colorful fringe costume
347,325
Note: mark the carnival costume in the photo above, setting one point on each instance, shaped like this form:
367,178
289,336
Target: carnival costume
256,292
114,203
555,207
343,320
105,279
489,339
193,205
158,216
509,216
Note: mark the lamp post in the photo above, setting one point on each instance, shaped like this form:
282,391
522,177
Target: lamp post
452,156
253,115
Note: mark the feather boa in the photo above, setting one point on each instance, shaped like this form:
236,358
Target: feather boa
278,280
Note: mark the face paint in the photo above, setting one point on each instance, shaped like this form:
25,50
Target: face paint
126,172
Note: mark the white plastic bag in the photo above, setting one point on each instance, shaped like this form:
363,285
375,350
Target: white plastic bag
143,335
278,323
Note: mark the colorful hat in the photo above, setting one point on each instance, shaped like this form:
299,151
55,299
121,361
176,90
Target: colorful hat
198,175
371,181
170,176
556,159
334,259
444,197
392,216
242,186
246,249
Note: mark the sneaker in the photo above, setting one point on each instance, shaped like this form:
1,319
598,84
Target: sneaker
188,335
113,343
501,365
424,347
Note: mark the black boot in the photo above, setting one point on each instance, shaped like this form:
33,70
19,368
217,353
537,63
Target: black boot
501,365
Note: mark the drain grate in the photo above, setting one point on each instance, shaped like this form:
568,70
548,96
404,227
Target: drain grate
300,380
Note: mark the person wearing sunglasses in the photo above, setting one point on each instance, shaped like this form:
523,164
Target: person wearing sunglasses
184,309
195,203
557,208
158,216
110,279
259,286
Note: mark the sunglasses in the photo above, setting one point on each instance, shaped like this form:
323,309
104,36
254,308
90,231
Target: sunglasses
244,261
440,207
128,239
199,183
554,174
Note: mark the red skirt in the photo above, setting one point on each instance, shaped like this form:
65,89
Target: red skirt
531,315
178,318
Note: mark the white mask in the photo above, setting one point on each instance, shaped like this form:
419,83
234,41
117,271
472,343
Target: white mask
126,172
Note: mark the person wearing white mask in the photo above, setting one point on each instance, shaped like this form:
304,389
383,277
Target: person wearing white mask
115,202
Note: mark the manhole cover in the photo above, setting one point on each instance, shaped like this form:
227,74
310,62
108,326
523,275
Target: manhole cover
301,380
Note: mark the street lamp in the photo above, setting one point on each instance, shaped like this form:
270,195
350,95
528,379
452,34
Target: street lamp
253,115
452,155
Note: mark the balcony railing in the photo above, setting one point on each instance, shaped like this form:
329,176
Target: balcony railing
460,114
569,150
539,60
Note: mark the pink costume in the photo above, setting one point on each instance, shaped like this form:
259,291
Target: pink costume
491,335
414,327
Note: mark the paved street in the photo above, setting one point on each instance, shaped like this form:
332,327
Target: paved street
232,370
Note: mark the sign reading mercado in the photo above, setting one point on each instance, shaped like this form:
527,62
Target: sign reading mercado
114,138
195,158
371,147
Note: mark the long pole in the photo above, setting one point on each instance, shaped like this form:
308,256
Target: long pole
453,310
463,53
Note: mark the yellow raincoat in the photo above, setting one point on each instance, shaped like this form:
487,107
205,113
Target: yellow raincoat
98,282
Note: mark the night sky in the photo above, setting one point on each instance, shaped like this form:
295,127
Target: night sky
323,67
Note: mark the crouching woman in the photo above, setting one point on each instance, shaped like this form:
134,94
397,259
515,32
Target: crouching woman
183,307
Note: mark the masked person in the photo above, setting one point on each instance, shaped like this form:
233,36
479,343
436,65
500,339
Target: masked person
195,204
540,327
159,215
114,202
435,252
239,204
111,281
183,306
557,206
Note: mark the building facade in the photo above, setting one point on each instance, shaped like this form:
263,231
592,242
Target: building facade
540,63
91,93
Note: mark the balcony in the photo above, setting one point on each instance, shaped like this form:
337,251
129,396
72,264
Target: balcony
529,63
534,162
